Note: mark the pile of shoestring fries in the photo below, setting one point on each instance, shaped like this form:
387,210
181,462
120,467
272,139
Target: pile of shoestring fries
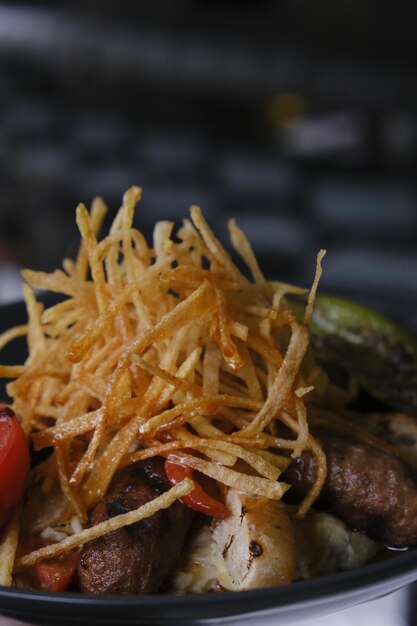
165,350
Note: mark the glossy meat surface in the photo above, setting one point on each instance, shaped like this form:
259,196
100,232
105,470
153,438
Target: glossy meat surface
372,491
137,558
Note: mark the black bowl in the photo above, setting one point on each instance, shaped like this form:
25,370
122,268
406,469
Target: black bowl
276,605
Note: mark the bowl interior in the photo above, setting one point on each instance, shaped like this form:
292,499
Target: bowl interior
272,606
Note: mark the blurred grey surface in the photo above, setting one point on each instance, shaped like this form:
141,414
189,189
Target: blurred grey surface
300,123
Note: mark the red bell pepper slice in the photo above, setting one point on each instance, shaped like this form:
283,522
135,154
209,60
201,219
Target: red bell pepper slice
198,499
54,574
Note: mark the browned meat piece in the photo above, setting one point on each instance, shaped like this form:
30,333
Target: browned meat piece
138,558
372,491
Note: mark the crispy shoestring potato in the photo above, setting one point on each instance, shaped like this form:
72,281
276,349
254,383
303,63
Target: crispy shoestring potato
164,350
8,549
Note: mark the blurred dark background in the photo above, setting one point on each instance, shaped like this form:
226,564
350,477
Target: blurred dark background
297,117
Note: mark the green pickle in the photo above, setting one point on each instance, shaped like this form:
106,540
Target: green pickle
377,352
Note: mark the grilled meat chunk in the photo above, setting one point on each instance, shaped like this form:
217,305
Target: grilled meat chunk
372,491
137,558
256,542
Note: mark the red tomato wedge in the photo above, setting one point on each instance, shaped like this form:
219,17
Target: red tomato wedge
198,499
14,463
55,574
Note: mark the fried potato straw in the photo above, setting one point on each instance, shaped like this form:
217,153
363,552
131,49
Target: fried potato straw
160,350
8,551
